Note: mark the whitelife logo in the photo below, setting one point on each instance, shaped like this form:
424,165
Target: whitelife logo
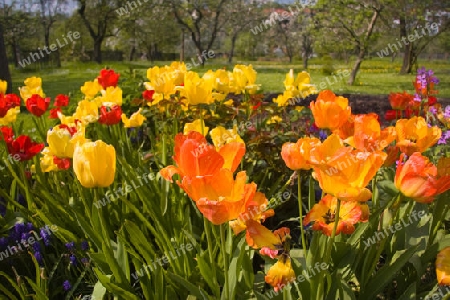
53,47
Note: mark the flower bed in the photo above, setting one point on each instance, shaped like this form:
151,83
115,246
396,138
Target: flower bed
202,188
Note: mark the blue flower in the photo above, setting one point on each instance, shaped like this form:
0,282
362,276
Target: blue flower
39,258
73,259
66,285
84,246
70,246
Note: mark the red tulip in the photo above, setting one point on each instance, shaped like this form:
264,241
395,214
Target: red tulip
7,134
37,105
61,100
7,102
108,78
110,115
148,95
54,113
24,147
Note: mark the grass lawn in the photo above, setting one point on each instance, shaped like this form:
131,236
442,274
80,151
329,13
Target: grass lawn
377,76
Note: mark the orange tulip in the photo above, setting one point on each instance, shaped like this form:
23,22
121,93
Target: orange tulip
368,134
296,155
220,197
420,180
393,154
195,157
280,274
414,135
344,172
400,100
256,209
323,215
330,111
443,266
259,236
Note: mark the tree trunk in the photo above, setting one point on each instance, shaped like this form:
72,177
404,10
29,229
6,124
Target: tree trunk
356,66
233,45
305,61
406,66
4,67
98,50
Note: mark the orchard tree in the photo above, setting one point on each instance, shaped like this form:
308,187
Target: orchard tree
203,20
354,21
420,22
100,17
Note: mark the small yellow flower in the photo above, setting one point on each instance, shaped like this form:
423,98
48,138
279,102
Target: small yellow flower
229,103
90,89
136,119
3,86
10,116
94,164
196,126
274,120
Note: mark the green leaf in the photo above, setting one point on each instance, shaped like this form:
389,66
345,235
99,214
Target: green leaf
196,291
384,276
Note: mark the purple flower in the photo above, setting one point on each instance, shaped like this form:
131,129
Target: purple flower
39,258
84,246
85,260
432,110
2,207
21,200
447,112
3,242
73,259
45,236
37,247
417,98
323,135
444,137
70,246
66,285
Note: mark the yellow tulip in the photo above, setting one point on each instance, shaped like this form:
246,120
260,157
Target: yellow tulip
90,89
244,78
87,112
10,116
111,96
46,161
301,86
94,164
197,90
3,86
163,80
32,86
196,126
136,119
62,139
221,136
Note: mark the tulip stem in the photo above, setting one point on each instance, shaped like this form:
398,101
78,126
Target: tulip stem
300,209
225,259
333,235
210,251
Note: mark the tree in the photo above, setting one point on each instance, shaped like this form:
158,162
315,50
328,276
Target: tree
4,67
353,20
49,9
203,20
417,20
240,15
99,19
